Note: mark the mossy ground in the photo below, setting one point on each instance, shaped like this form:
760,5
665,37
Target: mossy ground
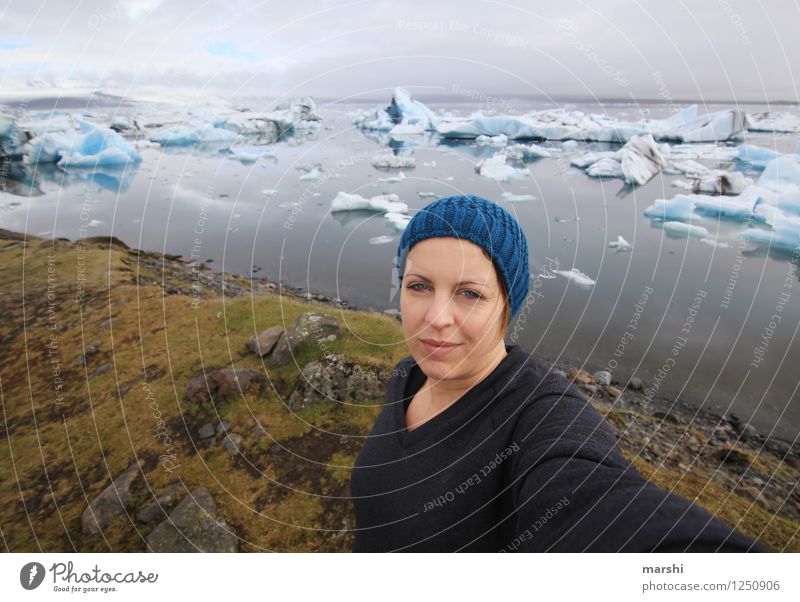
287,492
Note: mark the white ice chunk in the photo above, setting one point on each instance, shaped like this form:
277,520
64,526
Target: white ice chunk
721,182
773,121
403,108
393,161
384,203
682,229
193,133
499,140
497,168
398,221
620,244
313,175
425,195
532,151
584,161
679,207
577,277
518,198
406,129
641,160
750,154
785,233
380,240
608,168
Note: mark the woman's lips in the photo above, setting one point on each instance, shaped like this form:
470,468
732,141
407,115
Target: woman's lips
438,350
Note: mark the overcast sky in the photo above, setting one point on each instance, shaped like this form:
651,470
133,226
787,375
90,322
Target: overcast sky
716,49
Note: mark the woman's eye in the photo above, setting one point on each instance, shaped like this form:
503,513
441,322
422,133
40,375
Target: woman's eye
477,295
414,286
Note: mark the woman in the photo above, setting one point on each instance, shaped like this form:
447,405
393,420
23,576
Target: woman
479,447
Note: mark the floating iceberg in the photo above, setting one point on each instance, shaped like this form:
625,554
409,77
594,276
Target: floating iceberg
773,122
577,277
721,182
401,110
532,151
518,198
89,146
398,221
384,203
393,162
641,160
194,133
636,162
680,207
501,140
620,244
681,229
497,168
756,156
406,129
785,234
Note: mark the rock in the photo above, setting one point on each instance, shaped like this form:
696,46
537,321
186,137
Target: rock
223,427
101,370
206,431
659,415
635,384
157,510
612,391
581,377
220,384
723,432
192,528
111,502
263,342
590,389
746,431
603,377
308,328
336,378
778,447
258,431
232,443
734,457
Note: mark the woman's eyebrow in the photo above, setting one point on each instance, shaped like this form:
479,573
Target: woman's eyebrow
462,282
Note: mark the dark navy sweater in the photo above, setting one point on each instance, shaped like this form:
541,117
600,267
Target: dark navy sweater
521,462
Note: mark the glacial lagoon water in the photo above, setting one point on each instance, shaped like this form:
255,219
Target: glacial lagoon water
716,324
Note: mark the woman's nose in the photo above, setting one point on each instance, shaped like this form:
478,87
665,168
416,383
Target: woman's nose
440,311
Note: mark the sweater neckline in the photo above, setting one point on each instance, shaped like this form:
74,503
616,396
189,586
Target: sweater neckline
453,415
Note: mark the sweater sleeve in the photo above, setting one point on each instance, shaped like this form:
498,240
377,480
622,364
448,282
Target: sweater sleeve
574,491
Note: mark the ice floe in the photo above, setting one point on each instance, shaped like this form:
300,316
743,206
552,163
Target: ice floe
620,244
518,198
89,146
576,276
774,121
385,203
498,168
683,229
393,162
636,162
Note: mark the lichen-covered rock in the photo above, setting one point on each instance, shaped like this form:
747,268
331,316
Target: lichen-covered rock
336,378
192,528
220,384
309,328
111,502
263,342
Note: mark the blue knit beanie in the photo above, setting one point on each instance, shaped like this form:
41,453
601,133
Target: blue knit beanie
483,222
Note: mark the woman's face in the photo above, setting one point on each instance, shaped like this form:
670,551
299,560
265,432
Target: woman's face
451,293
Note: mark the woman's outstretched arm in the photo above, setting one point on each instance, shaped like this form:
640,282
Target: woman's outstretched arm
574,491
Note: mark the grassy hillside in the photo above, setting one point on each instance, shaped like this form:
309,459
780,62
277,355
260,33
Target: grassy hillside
70,426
